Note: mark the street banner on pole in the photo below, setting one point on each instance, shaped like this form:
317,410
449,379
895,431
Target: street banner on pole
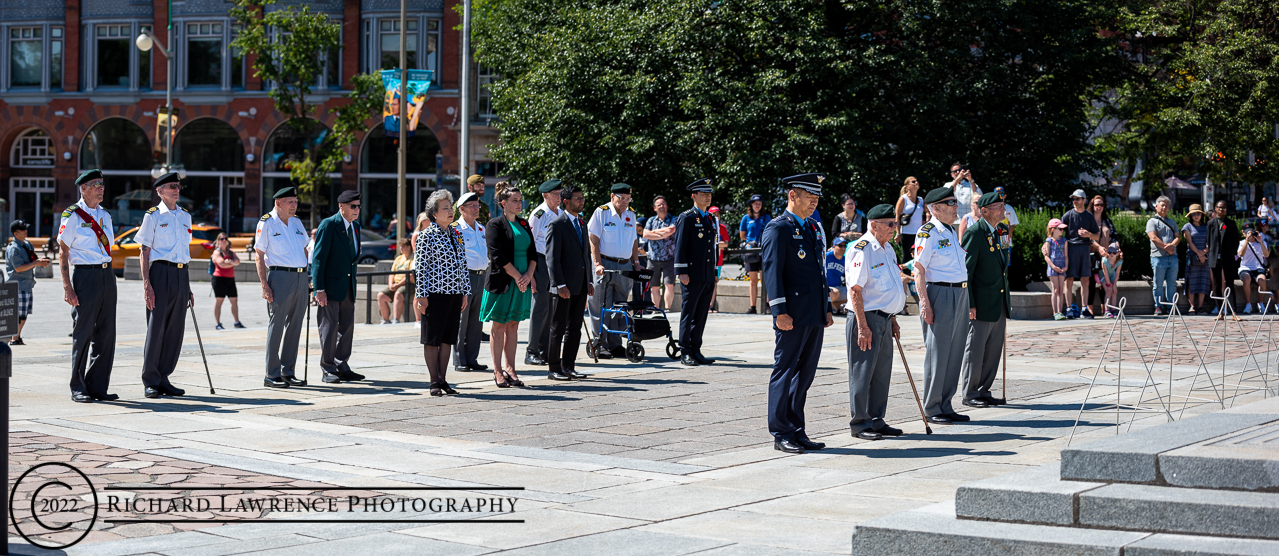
419,82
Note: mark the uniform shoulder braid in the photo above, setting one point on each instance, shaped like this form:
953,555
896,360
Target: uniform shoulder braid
861,244
69,211
152,210
265,217
923,230
538,213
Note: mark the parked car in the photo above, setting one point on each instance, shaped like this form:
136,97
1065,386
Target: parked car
202,239
375,247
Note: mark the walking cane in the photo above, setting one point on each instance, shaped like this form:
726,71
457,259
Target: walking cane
306,351
201,342
927,429
1004,393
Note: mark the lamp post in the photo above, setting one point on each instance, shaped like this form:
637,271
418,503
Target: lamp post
144,43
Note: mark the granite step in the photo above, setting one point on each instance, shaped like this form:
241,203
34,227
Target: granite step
1160,509
1246,460
1037,495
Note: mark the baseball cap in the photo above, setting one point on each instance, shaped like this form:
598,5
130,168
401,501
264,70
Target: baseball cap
1056,223
839,241
17,225
1113,248
1079,193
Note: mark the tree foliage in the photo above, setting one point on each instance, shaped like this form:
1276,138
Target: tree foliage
657,94
287,43
1200,93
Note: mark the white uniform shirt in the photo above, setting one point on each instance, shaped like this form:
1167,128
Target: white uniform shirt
282,244
167,233
539,221
874,267
965,192
79,236
937,249
472,239
615,231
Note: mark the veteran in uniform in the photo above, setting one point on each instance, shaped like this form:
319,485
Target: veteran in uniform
614,246
333,268
84,242
795,278
876,296
165,237
470,233
695,237
943,305
989,297
539,221
281,245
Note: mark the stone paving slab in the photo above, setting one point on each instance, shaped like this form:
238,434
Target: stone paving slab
1181,510
1187,545
1248,460
1036,495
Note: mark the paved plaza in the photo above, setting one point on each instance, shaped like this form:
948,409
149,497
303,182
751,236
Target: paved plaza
649,458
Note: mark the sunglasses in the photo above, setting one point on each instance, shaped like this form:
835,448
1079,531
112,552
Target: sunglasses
355,206
890,224
948,202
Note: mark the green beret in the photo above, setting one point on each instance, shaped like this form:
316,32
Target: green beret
939,194
285,193
88,176
879,212
550,185
989,199
620,189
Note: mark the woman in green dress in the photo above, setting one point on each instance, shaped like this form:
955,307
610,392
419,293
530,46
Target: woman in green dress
509,285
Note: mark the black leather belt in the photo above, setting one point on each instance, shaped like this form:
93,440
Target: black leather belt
615,259
480,271
950,284
286,269
103,265
169,263
880,313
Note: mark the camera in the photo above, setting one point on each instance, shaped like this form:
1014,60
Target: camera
963,167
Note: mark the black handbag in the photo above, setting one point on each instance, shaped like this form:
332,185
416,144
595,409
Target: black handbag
906,216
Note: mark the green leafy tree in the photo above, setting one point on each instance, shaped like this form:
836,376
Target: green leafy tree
286,43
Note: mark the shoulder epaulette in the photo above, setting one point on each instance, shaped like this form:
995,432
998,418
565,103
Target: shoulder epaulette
604,206
926,227
69,211
266,217
455,224
152,210
861,244
539,212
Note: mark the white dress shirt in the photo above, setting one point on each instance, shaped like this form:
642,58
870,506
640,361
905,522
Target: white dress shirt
937,249
282,244
874,267
615,231
167,233
472,238
539,221
80,238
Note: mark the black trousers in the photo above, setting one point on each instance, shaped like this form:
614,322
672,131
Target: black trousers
539,333
566,331
166,324
337,325
794,366
694,306
93,335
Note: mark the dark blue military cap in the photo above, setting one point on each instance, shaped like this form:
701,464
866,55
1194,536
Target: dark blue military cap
620,189
700,186
939,194
88,176
285,193
811,183
166,179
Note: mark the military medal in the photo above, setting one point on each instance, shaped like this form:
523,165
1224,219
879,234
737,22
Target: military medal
802,253
699,235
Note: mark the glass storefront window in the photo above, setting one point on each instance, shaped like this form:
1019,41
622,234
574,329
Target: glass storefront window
209,145
116,144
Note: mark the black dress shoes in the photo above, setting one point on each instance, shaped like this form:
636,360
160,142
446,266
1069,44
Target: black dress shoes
461,368
809,444
152,392
448,389
869,435
350,376
81,397
171,390
889,431
603,354
958,417
279,382
478,367
701,359
994,401
104,397
533,359
573,374
787,445
939,420
557,375
618,351
976,402
689,360
330,378
294,381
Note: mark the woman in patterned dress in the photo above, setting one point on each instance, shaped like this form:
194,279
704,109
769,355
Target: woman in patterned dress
509,285
442,287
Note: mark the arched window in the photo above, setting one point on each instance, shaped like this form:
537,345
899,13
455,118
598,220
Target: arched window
289,143
209,145
32,149
121,150
212,154
379,169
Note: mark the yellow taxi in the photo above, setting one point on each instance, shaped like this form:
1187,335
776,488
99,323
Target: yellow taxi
202,239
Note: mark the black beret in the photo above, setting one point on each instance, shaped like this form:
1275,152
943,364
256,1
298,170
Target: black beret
348,196
87,176
550,185
939,194
700,186
285,193
168,178
879,212
989,199
620,189
811,183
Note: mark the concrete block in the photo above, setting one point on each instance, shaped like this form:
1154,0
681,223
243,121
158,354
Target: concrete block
1163,509
1033,496
1031,305
1187,545
1248,460
1131,458
931,530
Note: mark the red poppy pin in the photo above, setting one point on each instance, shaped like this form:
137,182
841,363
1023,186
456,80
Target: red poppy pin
523,222
628,219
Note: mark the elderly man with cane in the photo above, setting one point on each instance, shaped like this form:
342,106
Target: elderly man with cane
875,296
337,248
988,296
165,236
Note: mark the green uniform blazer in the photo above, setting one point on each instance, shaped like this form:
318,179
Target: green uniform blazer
987,271
334,262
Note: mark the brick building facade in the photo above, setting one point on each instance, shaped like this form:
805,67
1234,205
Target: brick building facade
76,93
